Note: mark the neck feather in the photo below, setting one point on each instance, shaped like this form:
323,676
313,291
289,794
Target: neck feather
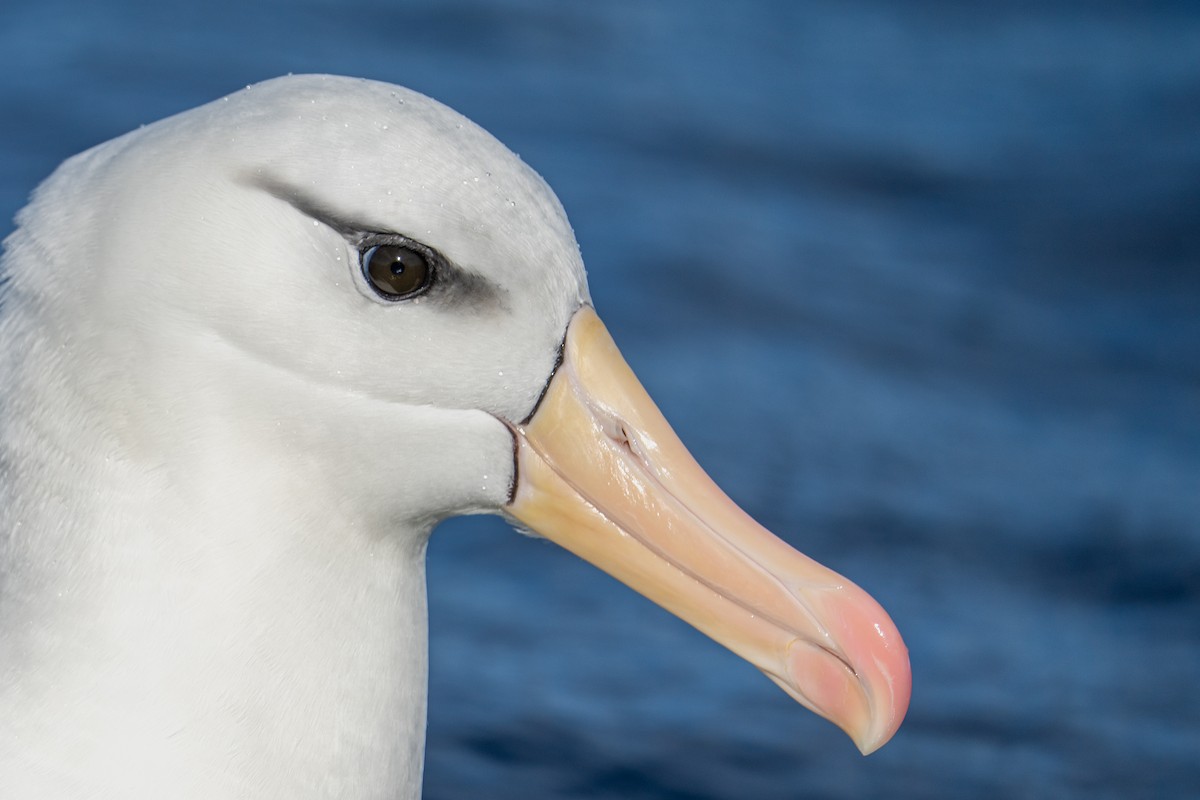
212,627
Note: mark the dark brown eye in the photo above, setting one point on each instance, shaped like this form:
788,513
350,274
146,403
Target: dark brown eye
396,271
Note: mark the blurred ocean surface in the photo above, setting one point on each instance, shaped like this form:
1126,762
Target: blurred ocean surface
918,282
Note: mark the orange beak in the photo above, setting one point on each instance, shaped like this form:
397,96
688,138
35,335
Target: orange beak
600,472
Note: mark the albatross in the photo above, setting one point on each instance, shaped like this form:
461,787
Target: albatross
250,356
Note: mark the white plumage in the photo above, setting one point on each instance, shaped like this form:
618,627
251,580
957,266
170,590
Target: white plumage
209,418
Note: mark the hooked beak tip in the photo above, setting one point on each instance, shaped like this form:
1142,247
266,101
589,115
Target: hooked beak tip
859,678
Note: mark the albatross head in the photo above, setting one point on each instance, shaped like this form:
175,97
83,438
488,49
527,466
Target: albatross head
332,312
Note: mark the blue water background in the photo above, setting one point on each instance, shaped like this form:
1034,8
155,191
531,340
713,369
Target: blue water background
918,282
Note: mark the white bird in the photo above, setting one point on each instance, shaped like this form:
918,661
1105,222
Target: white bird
249,356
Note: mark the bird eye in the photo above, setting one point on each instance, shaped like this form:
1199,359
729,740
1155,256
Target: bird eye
396,271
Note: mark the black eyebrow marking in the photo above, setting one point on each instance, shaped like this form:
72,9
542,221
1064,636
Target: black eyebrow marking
308,205
459,286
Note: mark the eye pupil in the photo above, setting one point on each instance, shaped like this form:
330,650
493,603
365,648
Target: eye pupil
396,271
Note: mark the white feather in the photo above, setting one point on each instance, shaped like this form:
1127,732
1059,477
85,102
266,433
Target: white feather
221,455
